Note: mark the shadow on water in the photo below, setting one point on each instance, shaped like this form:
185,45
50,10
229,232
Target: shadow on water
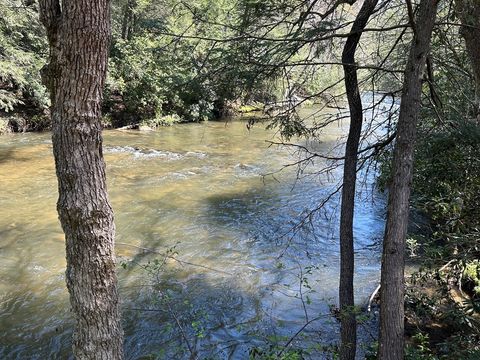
5,155
276,217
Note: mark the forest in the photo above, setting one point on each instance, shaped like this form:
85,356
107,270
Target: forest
243,179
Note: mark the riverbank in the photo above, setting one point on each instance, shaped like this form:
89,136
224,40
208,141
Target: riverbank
24,118
442,318
443,296
33,119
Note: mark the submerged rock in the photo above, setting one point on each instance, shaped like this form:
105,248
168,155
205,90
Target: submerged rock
242,166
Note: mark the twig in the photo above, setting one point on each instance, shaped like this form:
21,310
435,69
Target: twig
193,355
174,258
446,265
299,332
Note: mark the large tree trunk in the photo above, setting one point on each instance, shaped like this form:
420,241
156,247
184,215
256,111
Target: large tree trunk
391,342
468,11
347,263
79,35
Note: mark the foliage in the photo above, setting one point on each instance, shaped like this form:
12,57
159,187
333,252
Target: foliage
447,180
164,67
197,60
22,55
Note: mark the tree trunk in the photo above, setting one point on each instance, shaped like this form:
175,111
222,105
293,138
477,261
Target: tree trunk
79,34
128,19
391,342
347,263
468,11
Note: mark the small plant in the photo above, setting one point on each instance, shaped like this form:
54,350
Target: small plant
412,246
420,349
275,353
471,275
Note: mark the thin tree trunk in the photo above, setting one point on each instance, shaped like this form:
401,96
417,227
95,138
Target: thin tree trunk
347,263
391,342
79,34
468,11
128,19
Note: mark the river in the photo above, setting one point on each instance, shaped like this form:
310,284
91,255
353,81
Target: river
197,191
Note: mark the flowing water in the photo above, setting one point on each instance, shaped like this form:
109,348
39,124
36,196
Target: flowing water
200,189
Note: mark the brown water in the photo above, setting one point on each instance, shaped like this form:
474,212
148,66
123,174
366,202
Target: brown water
199,187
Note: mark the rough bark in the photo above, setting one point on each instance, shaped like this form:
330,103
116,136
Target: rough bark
79,33
391,341
348,321
468,11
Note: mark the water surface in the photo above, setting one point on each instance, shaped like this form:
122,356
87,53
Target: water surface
201,189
